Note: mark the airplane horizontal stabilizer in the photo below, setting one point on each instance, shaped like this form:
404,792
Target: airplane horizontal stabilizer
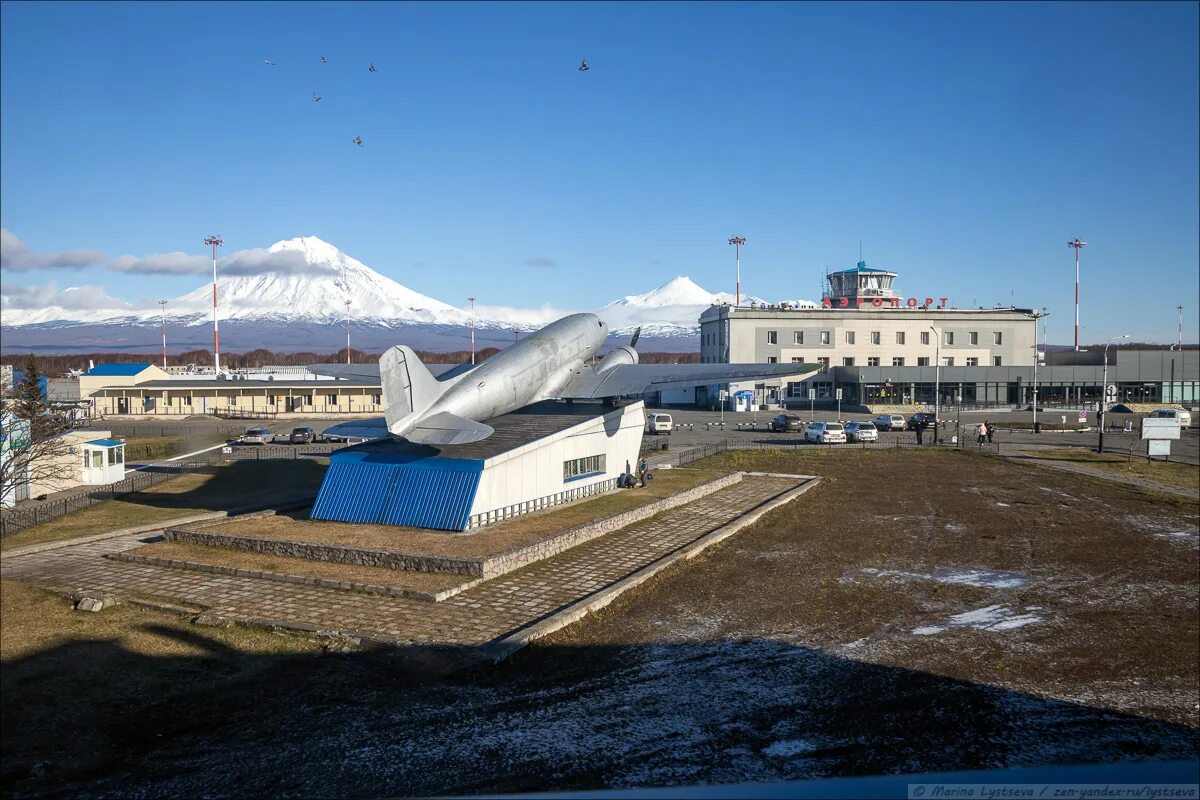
367,429
626,379
447,428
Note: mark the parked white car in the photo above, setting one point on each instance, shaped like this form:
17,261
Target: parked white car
1184,417
861,432
257,436
825,433
659,423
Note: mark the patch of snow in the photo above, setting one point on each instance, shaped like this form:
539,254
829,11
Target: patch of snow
970,577
789,747
988,618
1004,505
954,527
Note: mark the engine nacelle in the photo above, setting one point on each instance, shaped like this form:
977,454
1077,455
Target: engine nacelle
622,355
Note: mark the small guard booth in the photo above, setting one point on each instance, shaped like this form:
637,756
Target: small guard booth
103,461
543,455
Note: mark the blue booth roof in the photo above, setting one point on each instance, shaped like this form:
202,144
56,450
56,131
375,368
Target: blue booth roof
106,442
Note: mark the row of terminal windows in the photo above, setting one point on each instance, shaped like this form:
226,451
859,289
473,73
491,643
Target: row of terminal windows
876,337
873,361
577,467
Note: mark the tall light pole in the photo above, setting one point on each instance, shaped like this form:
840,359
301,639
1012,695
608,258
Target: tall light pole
1043,315
347,331
216,241
1104,391
163,305
1078,245
472,299
937,381
737,242
1179,346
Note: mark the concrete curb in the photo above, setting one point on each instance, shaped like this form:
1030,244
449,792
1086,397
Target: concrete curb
280,577
499,649
147,528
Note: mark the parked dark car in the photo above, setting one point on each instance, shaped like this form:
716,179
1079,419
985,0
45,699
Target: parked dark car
788,423
302,436
917,419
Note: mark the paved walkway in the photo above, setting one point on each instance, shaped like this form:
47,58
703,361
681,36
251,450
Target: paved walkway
482,614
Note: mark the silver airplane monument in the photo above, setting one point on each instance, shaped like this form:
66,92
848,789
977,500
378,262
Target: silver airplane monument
447,404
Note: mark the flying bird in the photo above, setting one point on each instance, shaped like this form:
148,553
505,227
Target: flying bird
372,68
323,59
584,67
316,97
269,63
358,141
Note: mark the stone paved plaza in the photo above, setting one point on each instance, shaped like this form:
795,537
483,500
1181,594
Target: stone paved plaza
479,615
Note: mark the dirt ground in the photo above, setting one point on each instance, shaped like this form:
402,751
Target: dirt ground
917,611
478,543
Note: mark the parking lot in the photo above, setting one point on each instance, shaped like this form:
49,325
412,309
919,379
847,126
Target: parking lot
703,427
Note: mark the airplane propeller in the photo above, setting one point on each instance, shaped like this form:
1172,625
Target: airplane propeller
636,334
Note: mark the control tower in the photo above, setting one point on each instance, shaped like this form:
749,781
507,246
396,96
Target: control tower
860,281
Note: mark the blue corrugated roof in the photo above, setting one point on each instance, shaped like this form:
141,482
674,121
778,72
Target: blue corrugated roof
106,442
395,489
117,369
860,267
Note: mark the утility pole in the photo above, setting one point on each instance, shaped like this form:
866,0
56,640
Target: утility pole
347,331
216,241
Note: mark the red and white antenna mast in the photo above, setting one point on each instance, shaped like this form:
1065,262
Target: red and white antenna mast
737,242
347,331
216,241
1078,245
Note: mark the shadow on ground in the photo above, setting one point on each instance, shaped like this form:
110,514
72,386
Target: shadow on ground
92,717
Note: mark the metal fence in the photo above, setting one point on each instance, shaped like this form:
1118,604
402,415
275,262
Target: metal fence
37,512
17,519
171,429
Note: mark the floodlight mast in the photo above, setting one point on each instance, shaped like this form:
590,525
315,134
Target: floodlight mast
1179,346
216,241
163,305
472,299
1078,245
737,242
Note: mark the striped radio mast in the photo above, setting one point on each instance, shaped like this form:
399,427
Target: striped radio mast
1078,245
163,305
216,241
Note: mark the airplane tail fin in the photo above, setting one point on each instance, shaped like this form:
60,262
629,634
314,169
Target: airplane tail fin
447,428
408,385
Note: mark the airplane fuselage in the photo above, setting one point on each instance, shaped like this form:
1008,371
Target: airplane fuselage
533,369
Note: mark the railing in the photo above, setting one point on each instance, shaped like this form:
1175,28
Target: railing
37,512
232,412
692,454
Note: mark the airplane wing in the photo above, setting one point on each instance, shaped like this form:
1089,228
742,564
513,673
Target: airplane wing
370,372
637,378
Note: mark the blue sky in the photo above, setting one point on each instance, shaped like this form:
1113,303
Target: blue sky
963,143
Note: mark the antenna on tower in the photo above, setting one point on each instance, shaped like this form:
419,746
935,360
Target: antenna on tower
860,249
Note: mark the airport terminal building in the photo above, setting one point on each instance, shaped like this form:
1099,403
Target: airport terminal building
880,347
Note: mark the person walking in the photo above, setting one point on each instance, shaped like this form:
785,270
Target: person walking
983,433
919,428
991,429
642,472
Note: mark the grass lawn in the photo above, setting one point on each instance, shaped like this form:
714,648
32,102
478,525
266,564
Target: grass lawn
486,541
149,448
68,674
220,488
1173,473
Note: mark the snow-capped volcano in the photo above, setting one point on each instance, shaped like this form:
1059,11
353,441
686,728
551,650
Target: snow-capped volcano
317,292
672,309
